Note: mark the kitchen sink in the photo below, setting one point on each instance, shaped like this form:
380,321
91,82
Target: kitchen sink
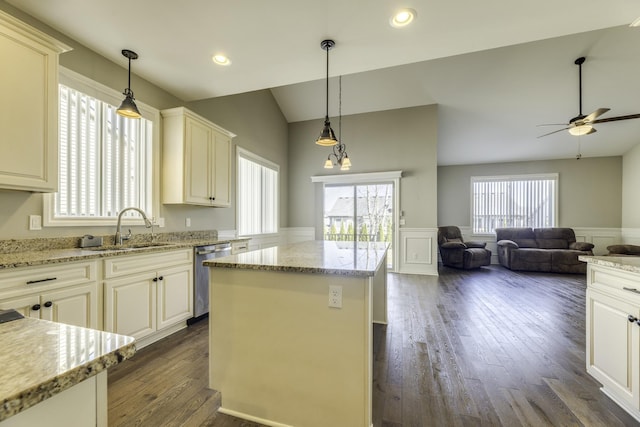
126,247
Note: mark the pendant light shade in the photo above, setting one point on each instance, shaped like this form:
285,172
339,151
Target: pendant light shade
327,137
128,108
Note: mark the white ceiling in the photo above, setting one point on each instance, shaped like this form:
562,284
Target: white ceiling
496,68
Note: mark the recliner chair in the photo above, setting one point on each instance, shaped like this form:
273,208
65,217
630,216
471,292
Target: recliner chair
455,252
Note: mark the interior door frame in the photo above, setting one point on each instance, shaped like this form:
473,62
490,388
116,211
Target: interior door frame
370,178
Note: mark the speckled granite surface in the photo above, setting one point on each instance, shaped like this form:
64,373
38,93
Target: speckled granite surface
627,263
42,358
315,256
30,252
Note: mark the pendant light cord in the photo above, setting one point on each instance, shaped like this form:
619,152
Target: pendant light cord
129,85
340,108
327,110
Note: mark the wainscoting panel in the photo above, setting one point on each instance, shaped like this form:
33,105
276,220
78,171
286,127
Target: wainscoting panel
630,236
418,251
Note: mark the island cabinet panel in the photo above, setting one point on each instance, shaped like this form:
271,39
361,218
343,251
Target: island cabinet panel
196,160
28,107
280,356
613,334
65,293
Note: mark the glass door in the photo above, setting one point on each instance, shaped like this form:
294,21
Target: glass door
360,212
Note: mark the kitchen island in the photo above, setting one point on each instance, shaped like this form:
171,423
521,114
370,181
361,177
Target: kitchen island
291,332
55,374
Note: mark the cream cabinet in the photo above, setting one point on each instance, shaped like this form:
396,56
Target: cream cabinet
196,159
613,334
28,107
148,296
65,293
239,247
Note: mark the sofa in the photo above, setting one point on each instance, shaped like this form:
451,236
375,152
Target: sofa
552,250
457,253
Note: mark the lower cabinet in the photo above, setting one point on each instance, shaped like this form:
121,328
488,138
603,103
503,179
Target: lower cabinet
148,297
65,293
613,334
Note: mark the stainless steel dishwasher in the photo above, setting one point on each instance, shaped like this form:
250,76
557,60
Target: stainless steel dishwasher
201,277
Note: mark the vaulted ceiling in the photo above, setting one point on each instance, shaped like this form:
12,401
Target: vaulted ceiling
496,68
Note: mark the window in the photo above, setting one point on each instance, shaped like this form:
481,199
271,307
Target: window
257,194
105,160
513,201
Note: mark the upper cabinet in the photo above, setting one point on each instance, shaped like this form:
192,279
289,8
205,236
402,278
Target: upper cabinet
28,107
196,160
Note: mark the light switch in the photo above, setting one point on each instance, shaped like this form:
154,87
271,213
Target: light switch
35,222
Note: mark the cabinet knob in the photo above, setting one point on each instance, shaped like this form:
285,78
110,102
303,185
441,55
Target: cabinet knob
35,307
48,304
212,198
161,278
155,279
632,318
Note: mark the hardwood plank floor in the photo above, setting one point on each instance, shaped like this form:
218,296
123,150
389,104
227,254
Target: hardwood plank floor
488,347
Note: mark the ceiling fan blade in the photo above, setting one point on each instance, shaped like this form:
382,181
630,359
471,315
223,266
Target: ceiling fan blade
555,131
615,119
591,117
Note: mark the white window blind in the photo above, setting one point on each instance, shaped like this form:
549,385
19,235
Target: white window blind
105,159
257,194
513,201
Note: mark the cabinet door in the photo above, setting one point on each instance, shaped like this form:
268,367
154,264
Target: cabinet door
199,157
613,345
130,306
76,306
222,170
23,304
175,295
28,110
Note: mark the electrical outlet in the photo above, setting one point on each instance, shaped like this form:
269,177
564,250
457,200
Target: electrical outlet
161,222
335,296
187,222
35,222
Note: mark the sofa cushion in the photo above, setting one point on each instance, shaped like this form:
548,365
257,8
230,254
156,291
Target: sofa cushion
454,240
552,244
624,249
530,259
582,246
524,237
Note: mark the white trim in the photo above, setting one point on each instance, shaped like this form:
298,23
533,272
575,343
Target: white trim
248,417
352,178
113,97
419,251
242,152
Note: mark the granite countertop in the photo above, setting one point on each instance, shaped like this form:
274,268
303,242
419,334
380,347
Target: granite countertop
53,256
42,358
626,263
321,257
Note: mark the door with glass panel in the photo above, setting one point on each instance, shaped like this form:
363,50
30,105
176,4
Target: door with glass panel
359,212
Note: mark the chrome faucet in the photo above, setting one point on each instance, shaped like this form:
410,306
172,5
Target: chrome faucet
147,223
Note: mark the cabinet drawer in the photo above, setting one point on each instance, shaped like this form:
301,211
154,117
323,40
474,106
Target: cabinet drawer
131,264
613,280
48,276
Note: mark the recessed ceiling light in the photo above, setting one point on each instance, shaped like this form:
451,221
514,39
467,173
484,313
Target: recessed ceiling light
403,17
221,60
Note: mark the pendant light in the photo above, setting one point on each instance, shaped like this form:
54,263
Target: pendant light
340,149
128,108
327,137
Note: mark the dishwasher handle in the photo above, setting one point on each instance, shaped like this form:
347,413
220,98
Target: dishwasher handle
205,252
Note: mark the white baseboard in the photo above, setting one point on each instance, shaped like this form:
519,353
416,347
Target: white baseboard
247,417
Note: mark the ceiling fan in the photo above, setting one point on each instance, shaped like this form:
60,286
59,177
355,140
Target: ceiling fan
581,124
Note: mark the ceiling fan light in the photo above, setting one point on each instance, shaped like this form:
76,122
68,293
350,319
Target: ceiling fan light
581,130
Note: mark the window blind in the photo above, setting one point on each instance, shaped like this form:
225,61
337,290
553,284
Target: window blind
257,195
513,201
104,159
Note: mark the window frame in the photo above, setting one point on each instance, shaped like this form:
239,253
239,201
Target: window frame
106,94
537,176
242,152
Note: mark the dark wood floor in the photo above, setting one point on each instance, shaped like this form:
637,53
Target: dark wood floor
468,348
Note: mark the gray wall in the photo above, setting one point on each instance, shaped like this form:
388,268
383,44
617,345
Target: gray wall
631,188
403,139
254,117
590,190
